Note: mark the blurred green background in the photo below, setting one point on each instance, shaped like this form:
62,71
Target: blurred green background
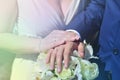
6,60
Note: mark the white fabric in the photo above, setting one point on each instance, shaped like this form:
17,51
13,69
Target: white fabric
72,30
37,18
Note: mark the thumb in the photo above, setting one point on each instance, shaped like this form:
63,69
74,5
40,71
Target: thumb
81,49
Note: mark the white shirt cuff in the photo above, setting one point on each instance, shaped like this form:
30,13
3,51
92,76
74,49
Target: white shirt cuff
74,32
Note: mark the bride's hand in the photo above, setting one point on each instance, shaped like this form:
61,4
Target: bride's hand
56,38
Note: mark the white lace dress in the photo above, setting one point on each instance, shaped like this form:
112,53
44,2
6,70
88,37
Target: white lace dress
37,18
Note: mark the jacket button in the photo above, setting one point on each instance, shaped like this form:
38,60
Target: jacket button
115,51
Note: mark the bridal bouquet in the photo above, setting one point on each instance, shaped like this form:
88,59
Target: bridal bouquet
79,69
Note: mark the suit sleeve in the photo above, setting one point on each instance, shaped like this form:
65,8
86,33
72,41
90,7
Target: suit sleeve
88,21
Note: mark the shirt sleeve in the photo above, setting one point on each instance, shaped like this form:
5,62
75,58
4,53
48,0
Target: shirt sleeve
88,21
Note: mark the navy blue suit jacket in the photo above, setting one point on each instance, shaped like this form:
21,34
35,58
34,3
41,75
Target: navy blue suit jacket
88,22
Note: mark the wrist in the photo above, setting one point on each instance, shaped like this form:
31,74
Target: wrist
41,45
38,46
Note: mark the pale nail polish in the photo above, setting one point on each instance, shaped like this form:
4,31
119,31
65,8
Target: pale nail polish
51,68
58,70
66,66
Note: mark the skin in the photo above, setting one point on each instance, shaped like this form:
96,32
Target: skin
63,53
61,43
22,44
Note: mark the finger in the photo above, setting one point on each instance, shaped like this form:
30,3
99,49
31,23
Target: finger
81,49
49,56
52,59
59,58
68,39
57,43
73,34
67,35
67,53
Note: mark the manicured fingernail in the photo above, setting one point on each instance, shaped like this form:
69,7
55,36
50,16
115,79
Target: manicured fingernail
58,70
66,66
51,68
46,61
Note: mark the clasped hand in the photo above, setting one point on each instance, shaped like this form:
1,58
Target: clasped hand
62,48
